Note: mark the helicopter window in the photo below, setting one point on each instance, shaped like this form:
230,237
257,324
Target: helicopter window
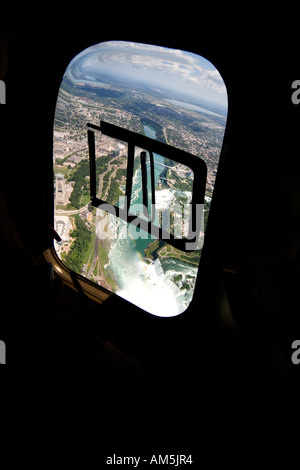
138,132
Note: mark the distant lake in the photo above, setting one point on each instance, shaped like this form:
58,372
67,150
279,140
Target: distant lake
193,107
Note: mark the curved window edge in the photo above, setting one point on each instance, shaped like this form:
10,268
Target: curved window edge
75,281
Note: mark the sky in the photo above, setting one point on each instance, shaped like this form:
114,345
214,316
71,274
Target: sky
161,67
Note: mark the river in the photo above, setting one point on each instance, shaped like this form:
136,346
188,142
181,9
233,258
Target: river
163,287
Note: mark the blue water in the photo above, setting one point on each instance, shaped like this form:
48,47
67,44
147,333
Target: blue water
195,107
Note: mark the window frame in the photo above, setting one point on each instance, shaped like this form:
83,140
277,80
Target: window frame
196,164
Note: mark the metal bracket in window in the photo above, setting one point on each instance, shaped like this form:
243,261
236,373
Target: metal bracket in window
144,221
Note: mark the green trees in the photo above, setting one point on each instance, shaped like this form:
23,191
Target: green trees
80,183
74,259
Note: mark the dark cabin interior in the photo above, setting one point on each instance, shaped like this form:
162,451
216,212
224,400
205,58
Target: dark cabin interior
244,315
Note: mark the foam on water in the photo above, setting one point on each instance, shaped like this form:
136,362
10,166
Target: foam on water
146,286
